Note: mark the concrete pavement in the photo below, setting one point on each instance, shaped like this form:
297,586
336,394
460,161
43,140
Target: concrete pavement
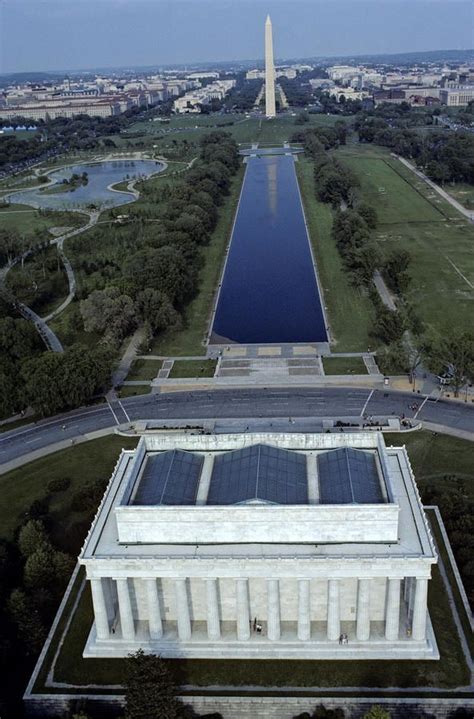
301,409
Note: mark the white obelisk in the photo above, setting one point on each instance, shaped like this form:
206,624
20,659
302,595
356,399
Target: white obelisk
269,71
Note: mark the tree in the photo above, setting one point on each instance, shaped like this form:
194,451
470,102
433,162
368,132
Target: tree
32,536
376,712
149,690
156,309
27,618
109,312
453,354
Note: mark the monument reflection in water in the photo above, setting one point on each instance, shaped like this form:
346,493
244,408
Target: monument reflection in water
269,292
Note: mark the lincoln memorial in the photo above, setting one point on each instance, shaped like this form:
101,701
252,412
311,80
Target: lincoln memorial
276,546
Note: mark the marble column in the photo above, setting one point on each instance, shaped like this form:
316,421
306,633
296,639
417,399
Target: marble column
154,615
125,608
418,631
363,610
334,622
213,623
243,609
182,610
304,616
100,609
273,609
392,609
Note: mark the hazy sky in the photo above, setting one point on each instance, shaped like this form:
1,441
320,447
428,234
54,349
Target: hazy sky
72,34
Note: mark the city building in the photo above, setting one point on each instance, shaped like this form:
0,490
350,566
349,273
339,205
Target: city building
263,545
191,102
457,97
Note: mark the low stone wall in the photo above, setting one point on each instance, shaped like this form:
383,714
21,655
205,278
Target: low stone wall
253,707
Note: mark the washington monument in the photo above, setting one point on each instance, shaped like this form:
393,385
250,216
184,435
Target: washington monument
269,71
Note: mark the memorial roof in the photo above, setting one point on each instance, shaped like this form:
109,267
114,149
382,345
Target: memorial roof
259,472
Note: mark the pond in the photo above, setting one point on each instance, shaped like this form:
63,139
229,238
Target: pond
269,291
100,176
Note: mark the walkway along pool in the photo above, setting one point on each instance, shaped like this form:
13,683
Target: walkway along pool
269,291
100,176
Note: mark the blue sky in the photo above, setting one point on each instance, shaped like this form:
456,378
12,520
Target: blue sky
72,34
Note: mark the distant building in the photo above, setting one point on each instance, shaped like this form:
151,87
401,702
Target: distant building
456,97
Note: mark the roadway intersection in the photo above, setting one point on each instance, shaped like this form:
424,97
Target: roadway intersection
237,410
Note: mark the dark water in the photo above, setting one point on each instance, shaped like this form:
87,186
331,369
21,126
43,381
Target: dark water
269,291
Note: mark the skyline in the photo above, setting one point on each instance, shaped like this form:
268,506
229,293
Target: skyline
35,36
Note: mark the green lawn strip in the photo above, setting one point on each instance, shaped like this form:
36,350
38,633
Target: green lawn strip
133,390
193,368
143,369
20,487
350,312
17,423
189,340
452,579
39,684
344,365
450,671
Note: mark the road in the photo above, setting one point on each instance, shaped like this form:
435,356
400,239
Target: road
236,410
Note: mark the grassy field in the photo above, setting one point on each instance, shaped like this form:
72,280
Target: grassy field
190,339
193,368
350,312
435,456
26,220
413,217
26,484
142,369
344,365
244,130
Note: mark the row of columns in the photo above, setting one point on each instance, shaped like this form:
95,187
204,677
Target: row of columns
243,619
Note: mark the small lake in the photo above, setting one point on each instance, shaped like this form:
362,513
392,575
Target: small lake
100,176
269,292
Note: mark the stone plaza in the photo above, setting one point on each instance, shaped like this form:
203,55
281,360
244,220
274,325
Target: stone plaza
270,546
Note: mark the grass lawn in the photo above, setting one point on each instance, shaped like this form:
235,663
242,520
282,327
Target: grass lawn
26,220
142,369
20,487
133,390
193,368
344,365
414,218
435,456
350,312
190,339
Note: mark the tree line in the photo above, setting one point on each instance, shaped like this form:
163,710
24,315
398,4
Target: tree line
147,271
140,273
445,157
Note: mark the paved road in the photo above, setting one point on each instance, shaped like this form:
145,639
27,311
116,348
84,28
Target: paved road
235,409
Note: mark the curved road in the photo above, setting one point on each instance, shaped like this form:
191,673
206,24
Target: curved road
233,410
